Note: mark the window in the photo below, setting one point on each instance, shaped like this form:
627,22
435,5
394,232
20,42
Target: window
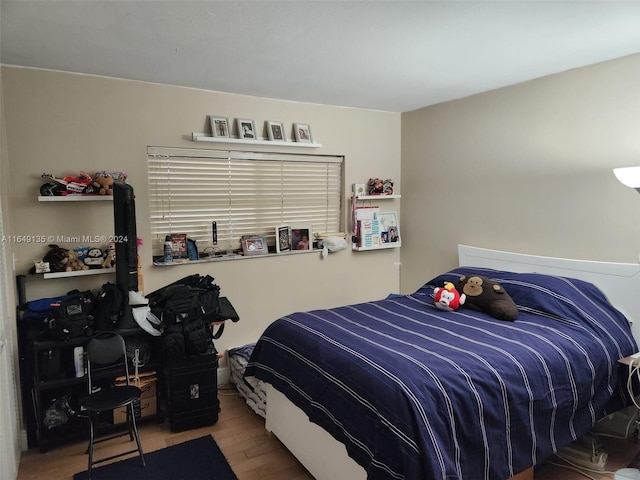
244,193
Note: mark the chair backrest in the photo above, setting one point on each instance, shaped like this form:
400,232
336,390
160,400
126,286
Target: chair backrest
105,349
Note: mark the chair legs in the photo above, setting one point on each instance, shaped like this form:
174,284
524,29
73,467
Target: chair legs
90,449
132,423
132,431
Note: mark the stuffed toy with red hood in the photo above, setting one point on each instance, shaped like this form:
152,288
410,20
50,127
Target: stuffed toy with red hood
447,298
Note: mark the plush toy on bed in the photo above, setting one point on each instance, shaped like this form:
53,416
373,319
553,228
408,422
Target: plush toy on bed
487,296
447,298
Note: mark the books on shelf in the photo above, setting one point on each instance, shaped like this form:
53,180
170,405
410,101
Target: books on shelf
376,229
179,246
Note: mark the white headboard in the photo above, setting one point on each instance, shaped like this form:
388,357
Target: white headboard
620,282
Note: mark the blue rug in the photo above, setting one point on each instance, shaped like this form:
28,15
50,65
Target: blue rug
199,459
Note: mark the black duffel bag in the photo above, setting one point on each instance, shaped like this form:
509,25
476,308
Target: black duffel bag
70,318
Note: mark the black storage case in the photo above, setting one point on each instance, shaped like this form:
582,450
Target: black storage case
191,389
126,238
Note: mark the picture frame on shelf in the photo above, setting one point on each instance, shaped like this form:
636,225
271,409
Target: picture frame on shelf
283,238
246,129
219,126
388,226
301,237
275,131
254,245
302,132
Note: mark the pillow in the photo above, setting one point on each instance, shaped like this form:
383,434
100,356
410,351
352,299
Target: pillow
560,297
487,296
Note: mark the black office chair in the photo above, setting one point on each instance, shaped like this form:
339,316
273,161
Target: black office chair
104,350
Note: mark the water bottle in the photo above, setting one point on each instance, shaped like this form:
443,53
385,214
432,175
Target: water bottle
168,250
78,360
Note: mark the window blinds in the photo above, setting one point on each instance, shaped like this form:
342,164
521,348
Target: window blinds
245,193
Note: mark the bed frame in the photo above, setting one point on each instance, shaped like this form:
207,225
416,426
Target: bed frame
326,458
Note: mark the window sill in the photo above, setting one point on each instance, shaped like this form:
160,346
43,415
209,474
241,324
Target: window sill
226,257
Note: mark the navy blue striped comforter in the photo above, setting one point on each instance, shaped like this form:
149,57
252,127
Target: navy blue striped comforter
418,393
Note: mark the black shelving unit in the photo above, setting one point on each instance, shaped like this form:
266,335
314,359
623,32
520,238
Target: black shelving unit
47,373
47,368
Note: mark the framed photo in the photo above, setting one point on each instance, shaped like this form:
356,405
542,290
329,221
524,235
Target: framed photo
283,238
388,224
254,245
275,131
302,132
246,129
301,238
219,126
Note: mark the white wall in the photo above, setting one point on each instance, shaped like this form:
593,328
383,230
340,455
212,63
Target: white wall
64,123
525,168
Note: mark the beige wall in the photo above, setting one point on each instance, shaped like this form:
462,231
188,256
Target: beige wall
525,168
63,123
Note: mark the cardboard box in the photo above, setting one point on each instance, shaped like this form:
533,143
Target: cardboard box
148,399
147,407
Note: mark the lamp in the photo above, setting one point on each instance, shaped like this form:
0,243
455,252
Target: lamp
630,176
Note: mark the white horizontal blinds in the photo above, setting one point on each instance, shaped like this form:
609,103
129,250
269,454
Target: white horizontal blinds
243,192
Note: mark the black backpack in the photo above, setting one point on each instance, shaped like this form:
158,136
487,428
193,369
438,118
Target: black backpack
70,318
187,308
179,308
108,307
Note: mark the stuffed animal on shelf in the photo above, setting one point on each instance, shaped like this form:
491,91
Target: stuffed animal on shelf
57,259
487,296
103,183
377,186
74,263
110,259
94,258
448,298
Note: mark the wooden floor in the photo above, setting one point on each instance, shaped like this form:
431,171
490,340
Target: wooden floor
252,452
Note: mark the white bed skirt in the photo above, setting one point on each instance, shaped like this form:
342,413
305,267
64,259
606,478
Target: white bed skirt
319,452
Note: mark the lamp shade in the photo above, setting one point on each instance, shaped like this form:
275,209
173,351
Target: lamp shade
630,176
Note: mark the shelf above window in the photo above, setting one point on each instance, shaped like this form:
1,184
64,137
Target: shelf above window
75,198
203,137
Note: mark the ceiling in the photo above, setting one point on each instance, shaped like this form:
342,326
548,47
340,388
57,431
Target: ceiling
384,55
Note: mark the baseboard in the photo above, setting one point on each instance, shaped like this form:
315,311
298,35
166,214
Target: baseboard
223,376
24,442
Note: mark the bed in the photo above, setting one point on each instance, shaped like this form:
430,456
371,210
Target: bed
398,389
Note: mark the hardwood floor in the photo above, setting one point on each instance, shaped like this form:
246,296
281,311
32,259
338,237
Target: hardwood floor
252,452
